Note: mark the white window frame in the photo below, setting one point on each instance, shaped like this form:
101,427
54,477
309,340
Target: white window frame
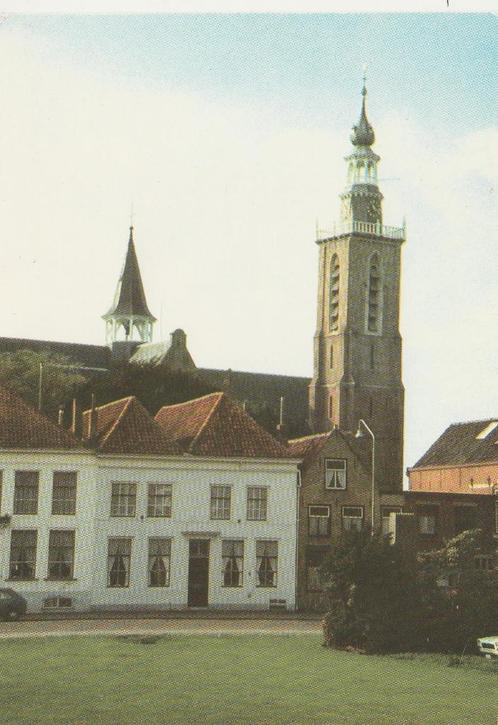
313,514
123,503
155,500
257,505
424,516
336,479
349,517
219,509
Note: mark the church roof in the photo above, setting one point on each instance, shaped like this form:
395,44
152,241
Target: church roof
464,443
129,300
89,355
23,427
216,426
125,427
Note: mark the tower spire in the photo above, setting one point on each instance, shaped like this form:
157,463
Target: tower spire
363,133
129,314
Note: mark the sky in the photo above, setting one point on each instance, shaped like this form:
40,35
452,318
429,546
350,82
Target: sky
226,135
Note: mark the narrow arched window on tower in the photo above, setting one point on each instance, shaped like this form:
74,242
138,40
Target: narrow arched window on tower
334,294
374,300
331,356
372,357
331,407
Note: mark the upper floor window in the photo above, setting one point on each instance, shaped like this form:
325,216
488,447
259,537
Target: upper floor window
159,562
266,563
427,520
257,503
159,500
61,555
220,502
335,473
124,499
118,562
26,492
64,493
352,518
23,554
232,553
319,520
334,294
374,299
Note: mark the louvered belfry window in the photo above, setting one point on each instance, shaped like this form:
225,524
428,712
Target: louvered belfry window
374,311
334,294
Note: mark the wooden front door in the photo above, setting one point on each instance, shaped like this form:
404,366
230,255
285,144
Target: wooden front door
198,573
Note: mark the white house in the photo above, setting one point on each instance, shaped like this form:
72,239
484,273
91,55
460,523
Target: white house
195,508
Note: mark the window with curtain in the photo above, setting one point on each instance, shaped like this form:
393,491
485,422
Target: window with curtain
266,563
23,554
61,555
159,562
118,562
232,554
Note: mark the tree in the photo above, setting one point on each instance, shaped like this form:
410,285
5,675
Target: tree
60,378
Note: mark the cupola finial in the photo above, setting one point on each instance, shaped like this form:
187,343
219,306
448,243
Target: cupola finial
363,133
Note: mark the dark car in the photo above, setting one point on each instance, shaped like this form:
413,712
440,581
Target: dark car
12,605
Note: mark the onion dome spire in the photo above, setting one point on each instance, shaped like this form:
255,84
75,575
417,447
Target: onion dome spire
363,133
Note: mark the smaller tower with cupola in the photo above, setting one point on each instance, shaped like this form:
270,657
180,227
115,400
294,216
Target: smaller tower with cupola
357,344
129,321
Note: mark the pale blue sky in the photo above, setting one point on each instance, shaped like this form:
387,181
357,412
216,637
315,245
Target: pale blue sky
228,133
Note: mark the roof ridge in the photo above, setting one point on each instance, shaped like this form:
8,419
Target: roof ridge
251,372
112,402
308,437
469,422
120,416
193,400
208,417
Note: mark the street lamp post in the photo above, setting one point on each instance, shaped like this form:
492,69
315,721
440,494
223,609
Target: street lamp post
360,434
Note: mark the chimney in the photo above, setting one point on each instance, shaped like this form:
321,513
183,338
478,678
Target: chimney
92,420
76,422
281,427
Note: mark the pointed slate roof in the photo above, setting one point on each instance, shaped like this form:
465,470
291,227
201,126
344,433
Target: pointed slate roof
21,426
215,426
470,442
129,300
125,427
363,133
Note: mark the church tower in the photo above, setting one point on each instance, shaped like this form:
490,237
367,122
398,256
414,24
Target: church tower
129,319
357,344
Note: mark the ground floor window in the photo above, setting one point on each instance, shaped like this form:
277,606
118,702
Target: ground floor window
61,555
314,559
352,518
118,562
159,562
386,516
427,520
266,563
485,562
232,553
23,554
319,520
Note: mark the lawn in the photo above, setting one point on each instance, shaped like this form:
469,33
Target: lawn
235,679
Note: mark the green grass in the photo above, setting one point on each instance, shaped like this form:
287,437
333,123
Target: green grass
239,679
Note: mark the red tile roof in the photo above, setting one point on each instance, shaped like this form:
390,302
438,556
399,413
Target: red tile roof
23,427
215,426
125,427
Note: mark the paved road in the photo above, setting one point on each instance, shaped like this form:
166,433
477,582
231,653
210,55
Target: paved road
116,627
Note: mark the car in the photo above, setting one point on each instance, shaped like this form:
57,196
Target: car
12,605
488,646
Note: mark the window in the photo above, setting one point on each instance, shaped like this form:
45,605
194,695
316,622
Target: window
374,304
331,407
465,518
220,502
61,555
386,514
331,356
372,357
257,503
335,473
118,562
232,553
266,563
57,603
64,493
334,294
427,520
23,554
124,499
352,518
159,500
159,562
319,520
485,562
26,492
314,559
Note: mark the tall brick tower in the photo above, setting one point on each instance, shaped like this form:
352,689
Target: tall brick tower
357,344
